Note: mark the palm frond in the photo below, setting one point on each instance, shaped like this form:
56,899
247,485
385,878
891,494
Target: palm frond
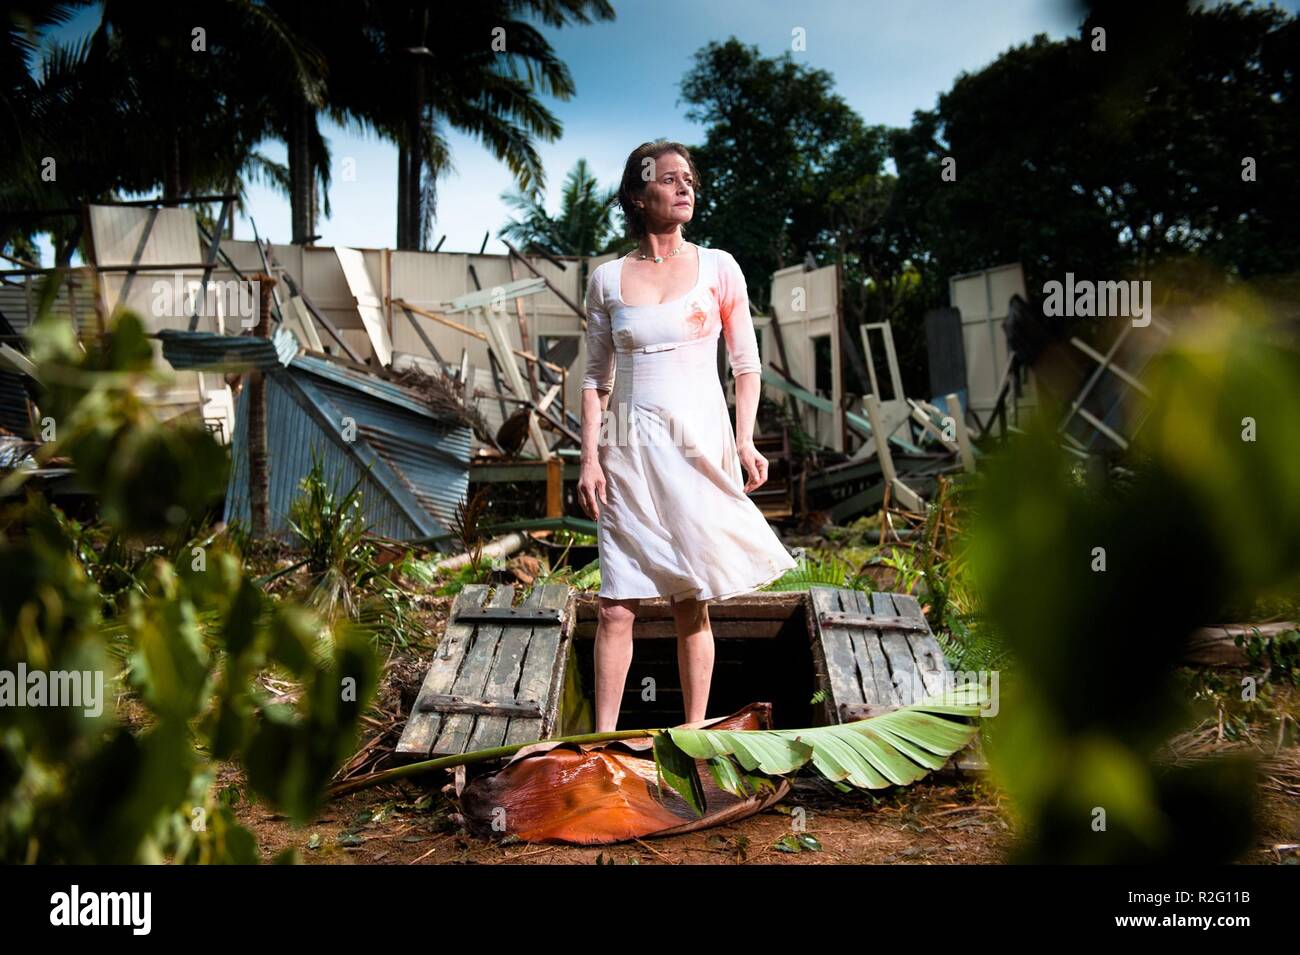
892,749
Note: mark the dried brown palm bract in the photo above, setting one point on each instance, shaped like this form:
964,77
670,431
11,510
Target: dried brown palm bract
594,793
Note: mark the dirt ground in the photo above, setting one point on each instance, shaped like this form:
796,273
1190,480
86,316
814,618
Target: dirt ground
941,820
932,822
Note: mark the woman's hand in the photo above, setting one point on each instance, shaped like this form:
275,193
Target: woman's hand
755,466
591,488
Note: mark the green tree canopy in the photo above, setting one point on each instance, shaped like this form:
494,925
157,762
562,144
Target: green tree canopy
779,141
1110,162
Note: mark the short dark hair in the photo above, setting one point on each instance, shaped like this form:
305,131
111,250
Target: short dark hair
633,185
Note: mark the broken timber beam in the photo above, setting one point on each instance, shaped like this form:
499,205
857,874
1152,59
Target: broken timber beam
836,618
581,313
446,703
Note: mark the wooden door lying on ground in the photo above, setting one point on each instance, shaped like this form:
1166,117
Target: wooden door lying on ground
878,651
496,676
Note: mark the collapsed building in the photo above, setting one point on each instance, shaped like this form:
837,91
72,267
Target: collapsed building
425,374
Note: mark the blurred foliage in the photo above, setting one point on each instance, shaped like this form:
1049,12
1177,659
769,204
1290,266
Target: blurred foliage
196,633
1205,517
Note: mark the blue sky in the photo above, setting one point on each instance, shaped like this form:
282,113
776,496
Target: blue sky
888,60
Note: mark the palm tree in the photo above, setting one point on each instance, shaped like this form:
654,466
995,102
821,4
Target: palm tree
207,97
584,225
345,34
54,112
145,102
454,77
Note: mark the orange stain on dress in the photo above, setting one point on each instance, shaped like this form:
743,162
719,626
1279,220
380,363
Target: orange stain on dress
697,322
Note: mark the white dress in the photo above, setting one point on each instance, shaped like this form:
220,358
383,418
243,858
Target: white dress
677,521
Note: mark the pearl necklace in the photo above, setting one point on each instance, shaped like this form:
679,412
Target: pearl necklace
660,258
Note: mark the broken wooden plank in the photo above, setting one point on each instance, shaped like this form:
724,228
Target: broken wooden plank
542,676
580,312
874,621
902,668
368,303
521,614
930,661
877,686
964,449
446,703
496,674
473,677
910,499
422,727
923,417
473,333
840,680
507,666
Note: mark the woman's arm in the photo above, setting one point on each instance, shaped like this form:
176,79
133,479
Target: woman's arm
746,365
596,384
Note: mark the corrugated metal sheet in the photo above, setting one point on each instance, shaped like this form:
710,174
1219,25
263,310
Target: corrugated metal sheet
13,391
184,349
418,464
18,302
431,472
13,405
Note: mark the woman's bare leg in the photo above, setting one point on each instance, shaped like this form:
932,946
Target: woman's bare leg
613,657
694,655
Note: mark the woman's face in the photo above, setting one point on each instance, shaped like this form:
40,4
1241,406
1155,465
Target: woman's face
669,197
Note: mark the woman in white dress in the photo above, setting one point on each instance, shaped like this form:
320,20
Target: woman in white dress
661,467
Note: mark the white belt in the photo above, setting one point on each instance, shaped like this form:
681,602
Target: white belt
666,346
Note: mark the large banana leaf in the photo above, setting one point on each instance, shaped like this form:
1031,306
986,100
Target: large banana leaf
892,749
